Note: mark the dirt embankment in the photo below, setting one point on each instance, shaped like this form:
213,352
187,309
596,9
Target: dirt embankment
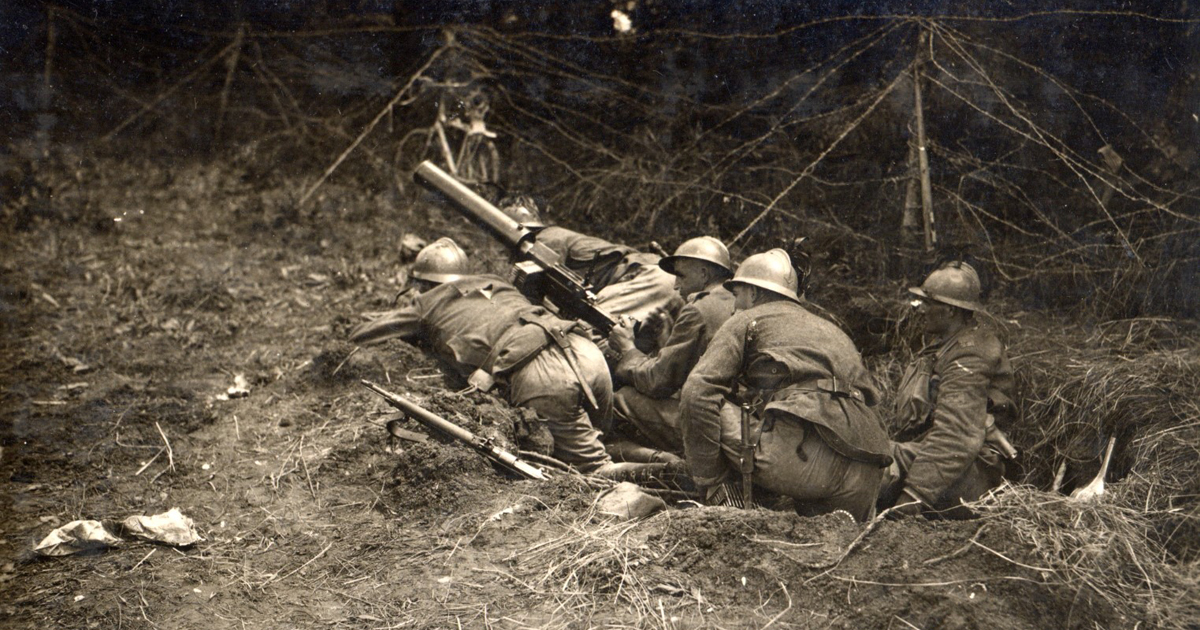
121,345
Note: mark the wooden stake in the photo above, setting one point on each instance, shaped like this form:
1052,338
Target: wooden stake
44,97
911,220
922,153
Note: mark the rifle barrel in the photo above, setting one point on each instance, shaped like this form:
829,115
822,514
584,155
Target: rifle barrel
434,421
422,415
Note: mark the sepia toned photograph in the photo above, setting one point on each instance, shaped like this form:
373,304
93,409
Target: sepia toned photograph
573,314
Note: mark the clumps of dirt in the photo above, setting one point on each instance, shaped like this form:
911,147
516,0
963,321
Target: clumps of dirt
759,545
442,475
532,433
203,294
430,477
490,417
342,362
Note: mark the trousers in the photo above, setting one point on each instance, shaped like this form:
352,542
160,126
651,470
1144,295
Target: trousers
547,385
985,473
792,460
657,419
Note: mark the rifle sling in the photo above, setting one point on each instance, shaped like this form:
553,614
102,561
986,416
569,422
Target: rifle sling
560,338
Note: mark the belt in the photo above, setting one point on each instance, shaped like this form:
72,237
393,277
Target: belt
835,388
832,385
560,338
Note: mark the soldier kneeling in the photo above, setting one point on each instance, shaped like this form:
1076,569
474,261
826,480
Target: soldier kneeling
802,425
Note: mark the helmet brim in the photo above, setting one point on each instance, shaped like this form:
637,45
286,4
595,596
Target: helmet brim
440,278
963,304
668,263
777,289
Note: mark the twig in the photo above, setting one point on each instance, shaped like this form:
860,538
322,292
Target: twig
1058,477
339,366
813,165
170,453
161,97
854,543
768,541
147,464
1006,558
782,612
370,126
143,560
231,66
958,552
1014,578
299,568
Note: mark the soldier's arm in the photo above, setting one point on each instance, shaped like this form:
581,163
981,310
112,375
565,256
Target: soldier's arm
404,323
959,427
700,402
663,374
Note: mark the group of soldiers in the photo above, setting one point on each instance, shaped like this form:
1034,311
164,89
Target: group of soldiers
727,375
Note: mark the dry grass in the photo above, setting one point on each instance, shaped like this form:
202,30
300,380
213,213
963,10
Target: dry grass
1106,548
594,559
1134,380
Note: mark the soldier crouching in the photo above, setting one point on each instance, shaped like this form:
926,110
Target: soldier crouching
950,449
803,424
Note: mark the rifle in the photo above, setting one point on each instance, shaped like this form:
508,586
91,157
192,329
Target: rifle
746,460
538,272
484,446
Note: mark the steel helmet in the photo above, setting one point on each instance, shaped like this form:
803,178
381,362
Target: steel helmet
523,209
705,248
440,261
956,285
771,270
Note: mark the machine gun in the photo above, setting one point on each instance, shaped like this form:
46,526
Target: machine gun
433,421
538,272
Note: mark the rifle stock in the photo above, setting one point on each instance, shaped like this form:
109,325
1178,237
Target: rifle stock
433,421
539,272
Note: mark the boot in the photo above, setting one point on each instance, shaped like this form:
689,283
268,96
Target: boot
625,451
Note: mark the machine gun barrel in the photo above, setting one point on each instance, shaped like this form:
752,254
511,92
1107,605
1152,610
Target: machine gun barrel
471,204
433,421
539,272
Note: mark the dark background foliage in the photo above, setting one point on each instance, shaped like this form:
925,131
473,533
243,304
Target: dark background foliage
755,121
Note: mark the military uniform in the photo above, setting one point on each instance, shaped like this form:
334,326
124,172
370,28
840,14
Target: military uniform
627,282
816,437
484,323
651,400
946,406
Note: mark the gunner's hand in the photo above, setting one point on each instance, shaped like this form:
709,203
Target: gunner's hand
621,339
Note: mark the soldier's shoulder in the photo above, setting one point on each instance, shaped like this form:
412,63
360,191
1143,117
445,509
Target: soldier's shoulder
477,281
717,297
978,341
741,319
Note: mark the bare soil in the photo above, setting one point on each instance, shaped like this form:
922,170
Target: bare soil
120,337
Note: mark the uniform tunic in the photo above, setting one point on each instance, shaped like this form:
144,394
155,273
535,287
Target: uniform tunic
819,441
627,282
944,404
651,400
482,322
